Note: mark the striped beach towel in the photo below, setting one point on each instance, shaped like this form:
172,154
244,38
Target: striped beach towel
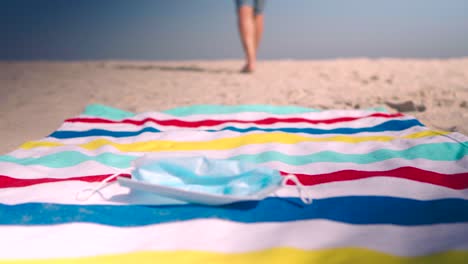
386,189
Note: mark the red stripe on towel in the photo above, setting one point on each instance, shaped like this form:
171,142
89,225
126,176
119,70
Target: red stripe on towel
7,181
210,122
457,181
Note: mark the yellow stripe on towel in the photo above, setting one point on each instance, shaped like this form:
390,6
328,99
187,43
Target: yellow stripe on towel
225,143
269,256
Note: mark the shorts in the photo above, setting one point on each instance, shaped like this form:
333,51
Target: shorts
258,5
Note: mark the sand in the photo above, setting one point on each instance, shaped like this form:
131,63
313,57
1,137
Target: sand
35,97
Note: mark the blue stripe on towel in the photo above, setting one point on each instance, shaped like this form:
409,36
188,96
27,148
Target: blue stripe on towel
393,125
351,209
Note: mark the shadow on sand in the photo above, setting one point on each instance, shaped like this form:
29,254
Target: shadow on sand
183,68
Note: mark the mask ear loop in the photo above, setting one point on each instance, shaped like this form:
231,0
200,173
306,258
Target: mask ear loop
92,191
305,198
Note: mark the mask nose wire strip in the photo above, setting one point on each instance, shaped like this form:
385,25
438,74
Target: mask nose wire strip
305,198
91,191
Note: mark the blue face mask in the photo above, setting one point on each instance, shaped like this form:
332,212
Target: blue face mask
204,181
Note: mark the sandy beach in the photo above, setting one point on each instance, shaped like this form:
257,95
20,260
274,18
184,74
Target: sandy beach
37,96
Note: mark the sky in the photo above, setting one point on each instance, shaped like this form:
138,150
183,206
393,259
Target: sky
207,29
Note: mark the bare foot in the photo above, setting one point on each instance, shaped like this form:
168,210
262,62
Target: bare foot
248,68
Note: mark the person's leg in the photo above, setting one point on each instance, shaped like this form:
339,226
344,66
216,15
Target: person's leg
258,29
247,33
259,6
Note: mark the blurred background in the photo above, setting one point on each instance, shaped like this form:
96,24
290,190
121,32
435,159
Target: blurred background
58,56
207,29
